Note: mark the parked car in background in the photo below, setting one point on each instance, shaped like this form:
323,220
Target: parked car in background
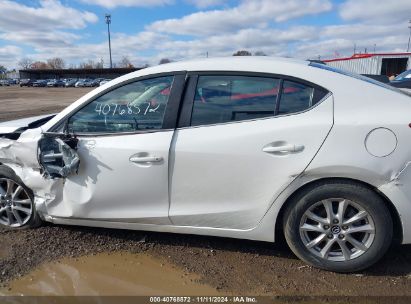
104,81
55,83
80,83
88,83
40,83
4,82
70,82
96,82
403,80
51,83
245,147
26,83
381,78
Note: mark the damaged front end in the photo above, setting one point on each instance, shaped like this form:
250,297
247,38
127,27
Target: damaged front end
41,160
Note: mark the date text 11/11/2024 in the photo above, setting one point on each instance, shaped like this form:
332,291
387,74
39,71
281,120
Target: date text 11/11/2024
204,299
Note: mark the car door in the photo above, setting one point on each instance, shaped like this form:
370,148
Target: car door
124,138
242,140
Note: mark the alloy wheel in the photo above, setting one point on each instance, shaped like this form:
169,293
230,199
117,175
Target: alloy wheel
16,206
337,229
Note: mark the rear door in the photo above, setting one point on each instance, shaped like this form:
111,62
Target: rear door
243,139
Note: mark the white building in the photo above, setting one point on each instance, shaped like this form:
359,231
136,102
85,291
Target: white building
375,64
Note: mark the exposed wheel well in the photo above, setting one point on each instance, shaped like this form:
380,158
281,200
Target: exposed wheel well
398,232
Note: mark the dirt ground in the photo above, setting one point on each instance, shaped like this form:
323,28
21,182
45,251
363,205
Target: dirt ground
16,102
227,265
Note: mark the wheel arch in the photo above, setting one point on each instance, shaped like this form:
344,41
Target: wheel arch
398,229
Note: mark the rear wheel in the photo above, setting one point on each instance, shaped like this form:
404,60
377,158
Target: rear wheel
17,209
342,227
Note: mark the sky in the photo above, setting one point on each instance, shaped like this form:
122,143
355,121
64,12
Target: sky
146,31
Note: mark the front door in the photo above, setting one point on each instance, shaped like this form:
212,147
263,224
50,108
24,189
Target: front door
124,140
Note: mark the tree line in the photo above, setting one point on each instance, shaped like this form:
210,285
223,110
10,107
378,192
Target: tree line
59,63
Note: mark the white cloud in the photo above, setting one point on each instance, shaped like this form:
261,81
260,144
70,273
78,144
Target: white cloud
250,25
128,3
41,39
49,15
340,40
360,31
9,55
377,12
41,26
248,14
205,3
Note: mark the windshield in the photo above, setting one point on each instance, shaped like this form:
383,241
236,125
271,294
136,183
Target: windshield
358,76
403,76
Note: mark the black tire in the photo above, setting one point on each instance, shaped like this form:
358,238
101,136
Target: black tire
35,220
370,201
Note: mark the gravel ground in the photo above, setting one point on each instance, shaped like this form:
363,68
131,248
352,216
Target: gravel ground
16,102
235,266
229,265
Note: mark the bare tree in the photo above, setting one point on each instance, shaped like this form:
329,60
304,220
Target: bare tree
25,63
39,65
125,63
90,64
164,60
260,53
242,53
100,64
56,63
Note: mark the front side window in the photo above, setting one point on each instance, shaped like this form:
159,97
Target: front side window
136,106
221,99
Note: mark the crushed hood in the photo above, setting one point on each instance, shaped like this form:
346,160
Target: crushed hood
24,123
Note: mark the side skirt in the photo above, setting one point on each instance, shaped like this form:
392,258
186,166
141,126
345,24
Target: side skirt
251,234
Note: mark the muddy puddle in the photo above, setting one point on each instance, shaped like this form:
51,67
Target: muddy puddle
108,274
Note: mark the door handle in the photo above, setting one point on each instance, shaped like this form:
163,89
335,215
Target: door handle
145,159
284,149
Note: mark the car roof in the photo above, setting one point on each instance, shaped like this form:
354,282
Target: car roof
245,63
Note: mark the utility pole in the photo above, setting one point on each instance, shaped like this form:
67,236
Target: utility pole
409,37
108,21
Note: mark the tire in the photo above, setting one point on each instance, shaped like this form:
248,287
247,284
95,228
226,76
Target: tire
330,252
30,221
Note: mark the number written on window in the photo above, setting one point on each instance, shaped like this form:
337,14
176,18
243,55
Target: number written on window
140,105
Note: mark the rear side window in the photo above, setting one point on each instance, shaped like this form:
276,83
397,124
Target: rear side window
221,99
295,97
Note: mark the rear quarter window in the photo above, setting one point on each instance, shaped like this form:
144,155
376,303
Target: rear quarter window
297,97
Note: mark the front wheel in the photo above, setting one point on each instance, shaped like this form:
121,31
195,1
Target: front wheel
17,209
341,227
